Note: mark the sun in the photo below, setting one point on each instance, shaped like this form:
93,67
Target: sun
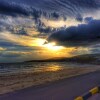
52,46
48,45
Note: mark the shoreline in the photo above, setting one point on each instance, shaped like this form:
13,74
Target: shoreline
14,82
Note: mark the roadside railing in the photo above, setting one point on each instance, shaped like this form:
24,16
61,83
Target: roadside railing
89,94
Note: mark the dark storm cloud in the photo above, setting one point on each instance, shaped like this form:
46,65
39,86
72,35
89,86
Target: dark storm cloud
68,7
79,18
15,9
88,19
11,9
45,30
81,35
42,28
48,8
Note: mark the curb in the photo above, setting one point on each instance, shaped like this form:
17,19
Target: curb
89,94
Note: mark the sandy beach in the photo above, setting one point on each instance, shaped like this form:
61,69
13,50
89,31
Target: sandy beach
13,82
65,89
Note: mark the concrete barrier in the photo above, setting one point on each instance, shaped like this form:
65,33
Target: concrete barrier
89,94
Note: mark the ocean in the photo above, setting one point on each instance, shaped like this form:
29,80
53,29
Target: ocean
31,67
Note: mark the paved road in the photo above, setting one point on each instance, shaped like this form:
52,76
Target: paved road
66,89
95,97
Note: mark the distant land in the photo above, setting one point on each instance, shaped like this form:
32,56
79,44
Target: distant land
84,59
87,58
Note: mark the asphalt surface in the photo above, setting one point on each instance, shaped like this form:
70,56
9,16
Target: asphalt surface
95,97
66,89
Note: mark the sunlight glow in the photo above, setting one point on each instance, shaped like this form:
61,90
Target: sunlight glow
38,42
52,46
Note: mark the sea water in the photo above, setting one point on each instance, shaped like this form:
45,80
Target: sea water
37,67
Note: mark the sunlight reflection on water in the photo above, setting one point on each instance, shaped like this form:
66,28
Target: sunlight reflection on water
50,68
31,67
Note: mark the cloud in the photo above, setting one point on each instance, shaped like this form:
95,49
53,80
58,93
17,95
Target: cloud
15,9
88,19
10,8
79,18
2,49
24,25
35,11
10,54
8,38
49,9
81,35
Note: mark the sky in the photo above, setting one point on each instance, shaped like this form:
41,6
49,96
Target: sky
42,29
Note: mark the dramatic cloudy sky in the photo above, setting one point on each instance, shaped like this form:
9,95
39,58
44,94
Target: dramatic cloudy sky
41,29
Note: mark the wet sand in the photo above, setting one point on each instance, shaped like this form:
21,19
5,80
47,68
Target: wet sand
13,82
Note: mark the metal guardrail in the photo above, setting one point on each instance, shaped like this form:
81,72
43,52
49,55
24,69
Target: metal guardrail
89,94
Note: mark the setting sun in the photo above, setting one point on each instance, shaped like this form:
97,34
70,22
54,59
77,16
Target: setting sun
52,46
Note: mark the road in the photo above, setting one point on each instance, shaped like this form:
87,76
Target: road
66,89
95,97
